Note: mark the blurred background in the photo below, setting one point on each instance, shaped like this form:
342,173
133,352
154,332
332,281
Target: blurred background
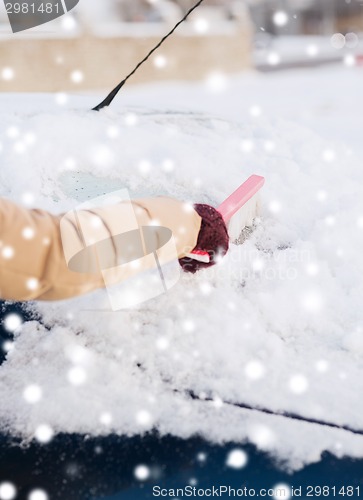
99,42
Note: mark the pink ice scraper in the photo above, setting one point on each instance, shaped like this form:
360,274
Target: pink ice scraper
238,211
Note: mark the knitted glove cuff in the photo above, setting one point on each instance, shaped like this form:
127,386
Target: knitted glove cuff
213,238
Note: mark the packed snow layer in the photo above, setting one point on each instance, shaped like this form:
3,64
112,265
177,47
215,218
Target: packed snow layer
277,324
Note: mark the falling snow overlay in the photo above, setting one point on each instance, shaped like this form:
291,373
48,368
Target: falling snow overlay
277,324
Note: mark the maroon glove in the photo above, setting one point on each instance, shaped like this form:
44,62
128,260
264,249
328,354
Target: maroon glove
213,238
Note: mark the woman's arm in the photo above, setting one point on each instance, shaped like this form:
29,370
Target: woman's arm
49,257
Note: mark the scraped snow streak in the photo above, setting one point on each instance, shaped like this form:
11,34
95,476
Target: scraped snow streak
277,324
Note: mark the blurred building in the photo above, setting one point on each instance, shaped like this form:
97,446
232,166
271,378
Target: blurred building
100,41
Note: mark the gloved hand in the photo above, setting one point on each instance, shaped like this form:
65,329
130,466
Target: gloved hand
213,238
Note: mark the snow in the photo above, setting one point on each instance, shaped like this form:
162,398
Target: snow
278,324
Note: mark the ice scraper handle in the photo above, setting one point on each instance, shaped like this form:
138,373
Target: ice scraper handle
240,197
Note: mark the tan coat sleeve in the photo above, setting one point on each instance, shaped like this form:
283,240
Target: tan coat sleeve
48,257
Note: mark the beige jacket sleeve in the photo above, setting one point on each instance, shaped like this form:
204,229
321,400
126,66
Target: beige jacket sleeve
48,257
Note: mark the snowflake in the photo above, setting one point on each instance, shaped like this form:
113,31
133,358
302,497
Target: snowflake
322,366
218,402
142,472
202,457
44,433
247,146
19,147
351,40
77,76
8,346
269,146
282,491
12,322
8,74
7,252
262,436
38,494
131,119
113,132
321,195
273,59
32,284
7,491
328,155
160,61
312,50
32,394
189,326
312,269
70,163
201,26
162,343
298,384
330,220
106,418
254,370
337,41
144,167
350,60
77,375
280,18
274,206
144,418
102,156
12,132
237,459
69,23
217,82
61,98
28,233
205,288
258,265
168,165
30,138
